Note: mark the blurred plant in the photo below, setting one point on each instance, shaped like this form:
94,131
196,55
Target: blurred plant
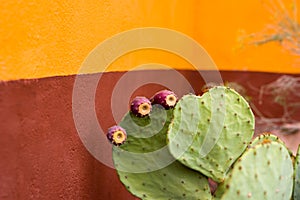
283,91
284,28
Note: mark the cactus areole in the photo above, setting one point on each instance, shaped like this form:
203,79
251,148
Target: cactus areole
140,106
166,98
116,135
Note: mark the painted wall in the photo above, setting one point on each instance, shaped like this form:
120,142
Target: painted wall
49,38
42,156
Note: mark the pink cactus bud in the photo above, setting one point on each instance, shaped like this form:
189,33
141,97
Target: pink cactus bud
140,106
166,98
116,135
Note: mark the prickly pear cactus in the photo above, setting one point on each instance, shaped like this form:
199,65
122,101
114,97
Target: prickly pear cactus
210,132
297,176
264,171
146,167
266,138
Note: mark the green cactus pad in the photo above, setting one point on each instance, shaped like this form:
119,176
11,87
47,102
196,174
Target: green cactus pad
297,176
210,132
145,166
264,171
265,138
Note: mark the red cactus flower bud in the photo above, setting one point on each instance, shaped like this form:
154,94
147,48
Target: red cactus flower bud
140,106
116,135
166,98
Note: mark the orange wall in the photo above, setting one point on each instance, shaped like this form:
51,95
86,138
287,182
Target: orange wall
48,38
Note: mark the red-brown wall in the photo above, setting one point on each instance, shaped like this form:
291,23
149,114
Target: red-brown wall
42,156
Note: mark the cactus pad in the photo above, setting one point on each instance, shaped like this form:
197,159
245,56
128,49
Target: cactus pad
264,171
210,132
265,138
146,167
297,176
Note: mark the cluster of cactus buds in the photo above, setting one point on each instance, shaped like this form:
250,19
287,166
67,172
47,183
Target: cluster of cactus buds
141,107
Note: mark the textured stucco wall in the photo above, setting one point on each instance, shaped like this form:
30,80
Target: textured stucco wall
47,38
41,154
